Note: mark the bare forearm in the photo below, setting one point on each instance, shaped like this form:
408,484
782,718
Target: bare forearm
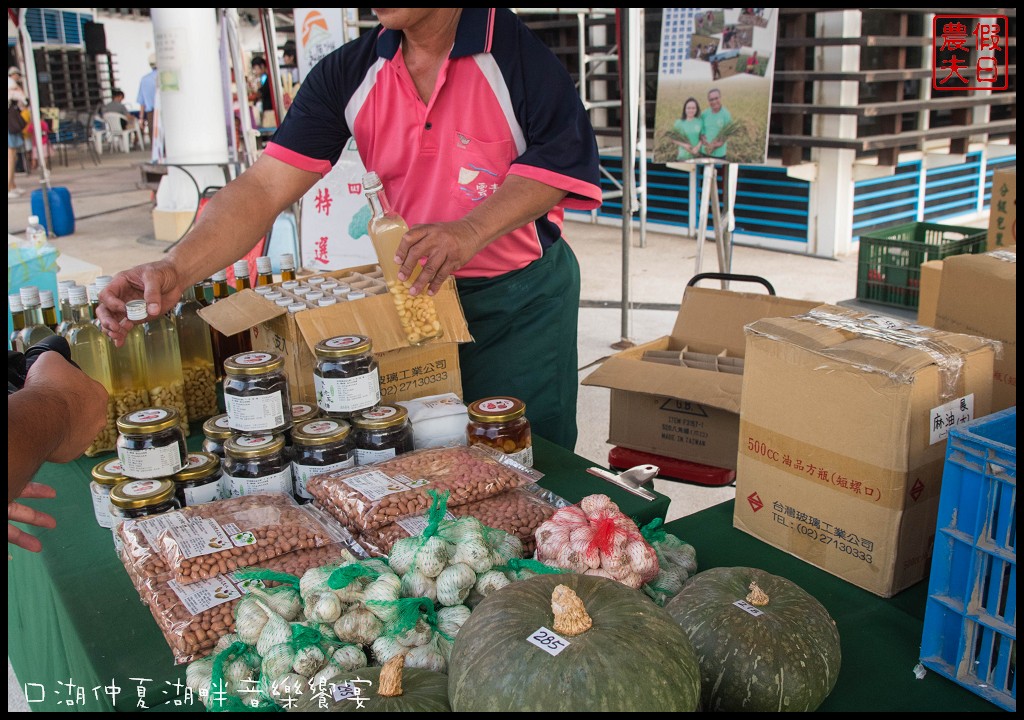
32,437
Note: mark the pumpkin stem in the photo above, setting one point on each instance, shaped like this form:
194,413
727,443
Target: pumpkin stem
757,596
571,616
390,683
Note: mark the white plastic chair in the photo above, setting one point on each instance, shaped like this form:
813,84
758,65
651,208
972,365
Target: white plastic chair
122,137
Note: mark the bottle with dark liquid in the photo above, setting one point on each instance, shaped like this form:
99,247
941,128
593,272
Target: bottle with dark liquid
224,346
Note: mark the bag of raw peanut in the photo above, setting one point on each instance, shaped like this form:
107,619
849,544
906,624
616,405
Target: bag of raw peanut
518,512
203,541
372,496
193,618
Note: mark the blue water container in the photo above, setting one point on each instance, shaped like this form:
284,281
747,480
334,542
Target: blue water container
60,209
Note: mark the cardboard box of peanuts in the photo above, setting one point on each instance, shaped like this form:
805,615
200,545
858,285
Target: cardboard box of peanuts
406,371
843,438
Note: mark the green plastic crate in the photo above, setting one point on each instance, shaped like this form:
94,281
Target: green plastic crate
889,265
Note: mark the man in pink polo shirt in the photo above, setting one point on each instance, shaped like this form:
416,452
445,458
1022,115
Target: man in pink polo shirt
480,139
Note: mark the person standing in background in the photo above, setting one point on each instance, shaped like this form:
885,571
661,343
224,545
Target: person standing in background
289,73
147,98
15,140
261,93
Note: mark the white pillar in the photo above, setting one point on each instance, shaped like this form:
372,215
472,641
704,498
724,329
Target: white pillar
831,195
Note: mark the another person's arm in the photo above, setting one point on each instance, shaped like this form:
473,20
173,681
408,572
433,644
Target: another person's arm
448,246
237,216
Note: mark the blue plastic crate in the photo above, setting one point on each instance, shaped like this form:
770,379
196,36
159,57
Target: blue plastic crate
970,622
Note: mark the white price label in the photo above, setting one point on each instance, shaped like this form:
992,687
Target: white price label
944,417
374,484
548,641
343,691
748,608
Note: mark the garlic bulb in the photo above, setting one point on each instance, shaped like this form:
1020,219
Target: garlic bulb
283,600
416,584
451,619
419,634
359,626
309,660
277,661
433,556
427,657
403,554
275,631
250,618
454,584
323,607
490,582
315,580
225,642
385,648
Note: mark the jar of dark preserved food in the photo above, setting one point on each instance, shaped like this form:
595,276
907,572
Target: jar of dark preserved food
500,423
346,376
300,413
381,433
151,443
217,432
322,445
199,481
256,465
105,475
133,499
256,393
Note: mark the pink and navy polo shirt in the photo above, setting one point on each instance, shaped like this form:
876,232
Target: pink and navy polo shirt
503,105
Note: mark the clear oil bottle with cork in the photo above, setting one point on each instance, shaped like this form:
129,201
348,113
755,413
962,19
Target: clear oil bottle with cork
417,313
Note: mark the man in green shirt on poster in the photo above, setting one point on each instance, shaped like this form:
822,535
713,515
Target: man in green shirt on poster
714,119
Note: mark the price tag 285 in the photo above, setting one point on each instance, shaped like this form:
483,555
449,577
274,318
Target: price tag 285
548,641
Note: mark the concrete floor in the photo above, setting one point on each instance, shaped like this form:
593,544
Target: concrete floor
114,230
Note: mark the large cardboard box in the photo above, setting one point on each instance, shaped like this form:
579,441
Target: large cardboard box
690,413
928,292
1002,219
842,438
978,296
170,225
406,372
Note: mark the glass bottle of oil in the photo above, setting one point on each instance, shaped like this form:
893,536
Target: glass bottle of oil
196,348
128,366
90,349
287,263
17,318
242,281
264,271
64,305
35,329
49,310
101,283
93,293
416,313
224,346
163,365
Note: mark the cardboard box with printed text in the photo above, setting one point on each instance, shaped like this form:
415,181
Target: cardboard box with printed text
842,438
978,296
1002,219
690,413
406,372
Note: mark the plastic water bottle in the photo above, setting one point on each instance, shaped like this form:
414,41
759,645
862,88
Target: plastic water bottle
35,233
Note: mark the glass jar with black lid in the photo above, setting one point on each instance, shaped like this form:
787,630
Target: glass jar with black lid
217,432
321,445
256,465
199,481
346,377
151,443
132,499
381,433
256,393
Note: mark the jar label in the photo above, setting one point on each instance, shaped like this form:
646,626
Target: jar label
101,505
321,427
279,482
196,460
496,405
374,484
416,524
368,457
202,494
255,413
523,457
380,413
150,463
222,422
300,409
253,441
348,394
148,415
343,341
253,358
200,596
114,467
304,473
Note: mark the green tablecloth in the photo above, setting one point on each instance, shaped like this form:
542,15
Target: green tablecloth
881,639
75,622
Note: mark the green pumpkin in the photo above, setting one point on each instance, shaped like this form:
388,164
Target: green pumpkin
632,657
392,688
784,655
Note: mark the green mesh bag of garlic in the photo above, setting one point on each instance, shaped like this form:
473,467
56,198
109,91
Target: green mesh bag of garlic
452,558
419,632
677,561
596,538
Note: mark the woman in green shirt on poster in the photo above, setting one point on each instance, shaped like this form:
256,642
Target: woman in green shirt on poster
688,129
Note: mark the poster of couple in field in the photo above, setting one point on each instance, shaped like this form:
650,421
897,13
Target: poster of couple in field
715,85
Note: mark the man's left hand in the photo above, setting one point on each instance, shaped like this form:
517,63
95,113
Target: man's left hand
24,514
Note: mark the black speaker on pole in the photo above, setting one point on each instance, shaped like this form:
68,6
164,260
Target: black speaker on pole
95,38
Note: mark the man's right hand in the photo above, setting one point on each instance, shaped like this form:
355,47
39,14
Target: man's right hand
158,283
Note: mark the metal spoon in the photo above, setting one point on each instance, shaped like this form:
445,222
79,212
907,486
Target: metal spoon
630,480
